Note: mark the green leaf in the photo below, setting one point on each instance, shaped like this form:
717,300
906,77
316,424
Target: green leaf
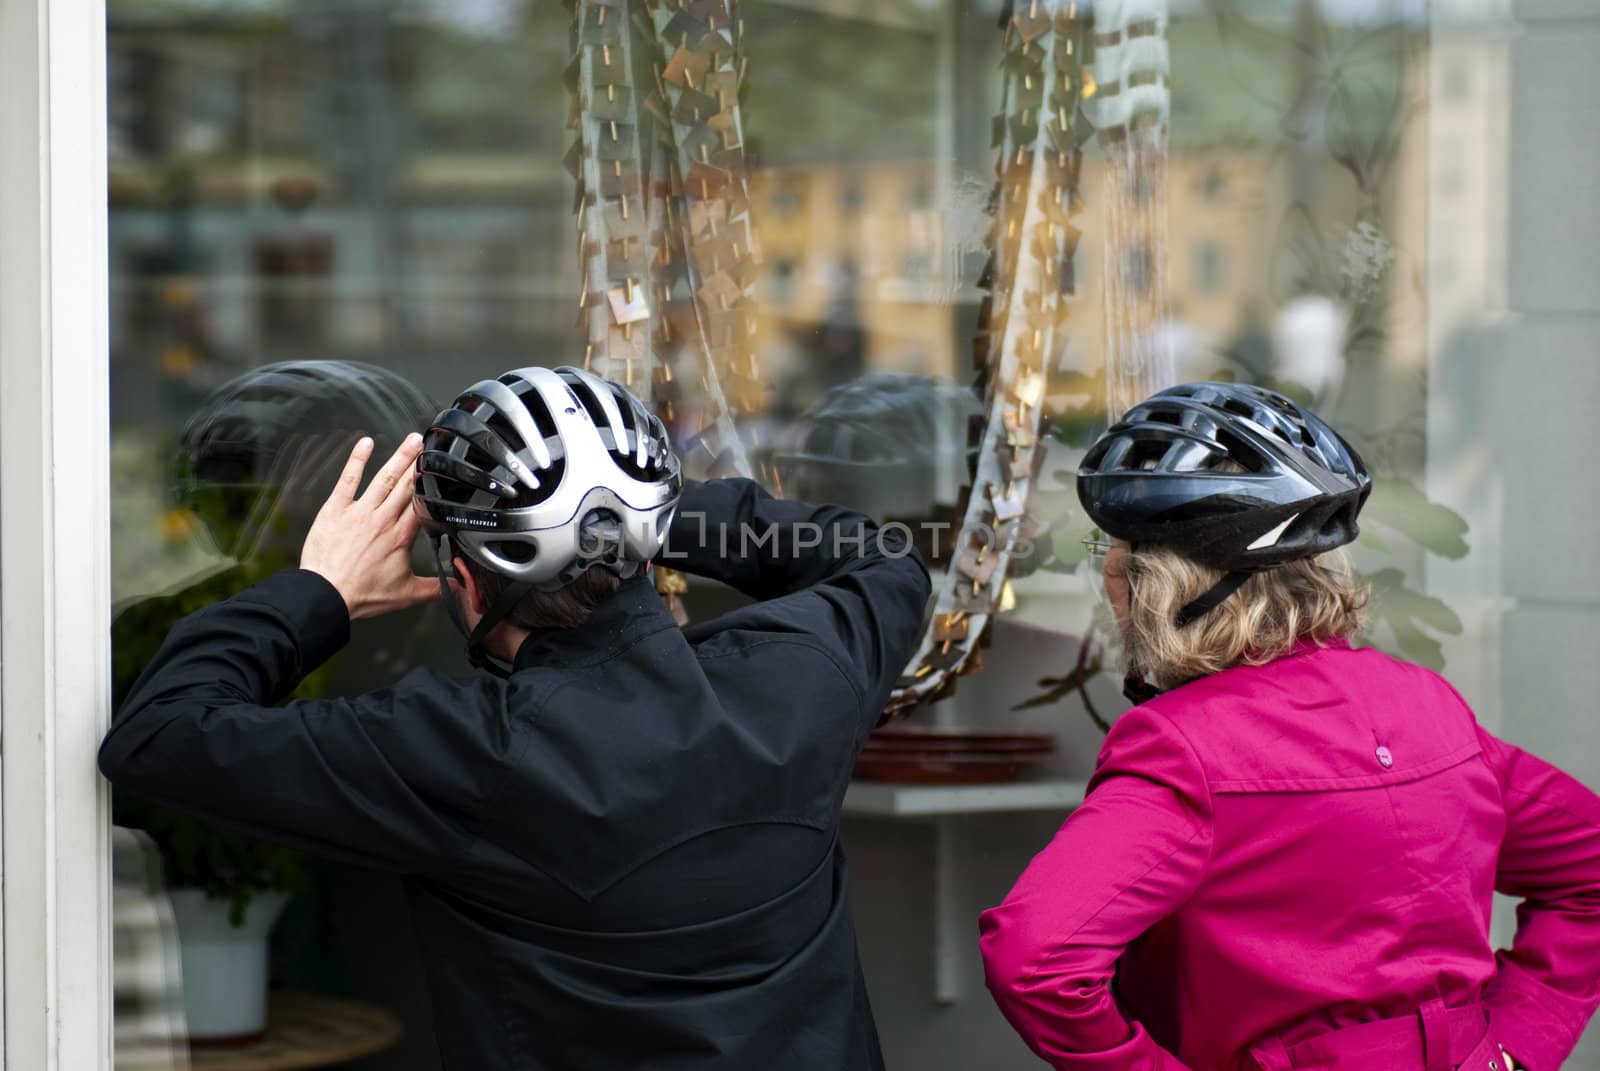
1401,506
1069,550
1371,539
1407,613
1076,425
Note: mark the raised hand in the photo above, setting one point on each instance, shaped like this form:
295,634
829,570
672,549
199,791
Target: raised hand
362,546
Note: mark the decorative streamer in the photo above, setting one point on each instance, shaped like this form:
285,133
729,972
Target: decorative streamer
698,74
664,210
669,255
1132,109
1030,282
609,162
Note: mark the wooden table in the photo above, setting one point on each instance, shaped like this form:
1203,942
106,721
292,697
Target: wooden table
306,1030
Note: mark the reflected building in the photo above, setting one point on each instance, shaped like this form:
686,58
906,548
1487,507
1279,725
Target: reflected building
306,181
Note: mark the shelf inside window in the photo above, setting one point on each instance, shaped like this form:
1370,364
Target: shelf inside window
932,801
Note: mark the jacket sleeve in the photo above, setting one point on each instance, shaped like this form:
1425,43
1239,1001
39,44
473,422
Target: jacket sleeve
1130,856
823,570
393,778
1548,983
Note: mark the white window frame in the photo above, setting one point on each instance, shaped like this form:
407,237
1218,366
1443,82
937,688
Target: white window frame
55,574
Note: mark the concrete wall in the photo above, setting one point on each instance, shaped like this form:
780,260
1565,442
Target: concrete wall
1552,632
1512,436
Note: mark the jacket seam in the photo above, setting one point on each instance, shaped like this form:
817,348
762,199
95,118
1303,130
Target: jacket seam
793,642
1035,969
524,723
616,650
1526,797
285,622
1194,755
524,726
1195,831
1520,983
1360,781
588,896
678,842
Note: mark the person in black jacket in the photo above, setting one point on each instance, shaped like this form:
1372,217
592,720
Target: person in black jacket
622,848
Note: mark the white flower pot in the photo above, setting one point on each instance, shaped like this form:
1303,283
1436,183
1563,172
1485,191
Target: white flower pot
224,966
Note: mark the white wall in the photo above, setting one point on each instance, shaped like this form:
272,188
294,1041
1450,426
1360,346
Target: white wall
1512,433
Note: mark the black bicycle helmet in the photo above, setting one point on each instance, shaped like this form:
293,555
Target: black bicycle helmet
542,474
881,444
237,435
1233,476
280,434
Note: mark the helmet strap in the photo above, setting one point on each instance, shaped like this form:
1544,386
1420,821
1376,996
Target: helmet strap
1138,690
476,654
1219,592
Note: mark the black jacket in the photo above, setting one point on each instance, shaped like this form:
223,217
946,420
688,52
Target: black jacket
627,855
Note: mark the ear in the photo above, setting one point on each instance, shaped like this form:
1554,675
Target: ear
469,585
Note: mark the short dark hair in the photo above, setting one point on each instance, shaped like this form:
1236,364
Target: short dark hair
566,607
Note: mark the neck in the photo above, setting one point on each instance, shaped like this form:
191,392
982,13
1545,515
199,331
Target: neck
504,641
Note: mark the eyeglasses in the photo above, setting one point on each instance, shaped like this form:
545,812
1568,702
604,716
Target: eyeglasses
1097,548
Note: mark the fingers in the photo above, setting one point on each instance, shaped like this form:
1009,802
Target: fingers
399,498
350,478
378,492
405,524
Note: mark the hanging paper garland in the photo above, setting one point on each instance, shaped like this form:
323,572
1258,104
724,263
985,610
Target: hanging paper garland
1030,282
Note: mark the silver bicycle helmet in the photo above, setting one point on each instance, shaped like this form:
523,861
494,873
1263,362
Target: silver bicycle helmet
541,474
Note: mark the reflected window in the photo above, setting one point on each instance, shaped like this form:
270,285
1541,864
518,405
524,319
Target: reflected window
292,277
1210,267
851,194
388,185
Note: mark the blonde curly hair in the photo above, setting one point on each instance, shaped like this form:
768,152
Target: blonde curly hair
1319,599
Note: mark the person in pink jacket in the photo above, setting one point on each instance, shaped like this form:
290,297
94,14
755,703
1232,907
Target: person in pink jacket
1287,858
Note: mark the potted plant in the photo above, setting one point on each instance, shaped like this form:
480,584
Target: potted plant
226,888
246,477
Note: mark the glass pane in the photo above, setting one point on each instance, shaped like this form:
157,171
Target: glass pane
1377,208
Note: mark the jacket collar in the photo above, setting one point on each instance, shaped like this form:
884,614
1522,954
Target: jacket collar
1306,645
623,617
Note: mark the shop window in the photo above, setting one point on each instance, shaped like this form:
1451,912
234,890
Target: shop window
1210,267
786,200
293,275
851,194
390,185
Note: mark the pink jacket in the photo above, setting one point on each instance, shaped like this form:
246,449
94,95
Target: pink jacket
1284,850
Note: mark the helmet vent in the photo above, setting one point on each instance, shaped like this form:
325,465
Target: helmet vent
460,492
513,551
502,427
546,423
502,451
1146,454
591,405
1239,452
1219,487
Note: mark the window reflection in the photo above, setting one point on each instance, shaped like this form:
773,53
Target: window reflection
382,184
